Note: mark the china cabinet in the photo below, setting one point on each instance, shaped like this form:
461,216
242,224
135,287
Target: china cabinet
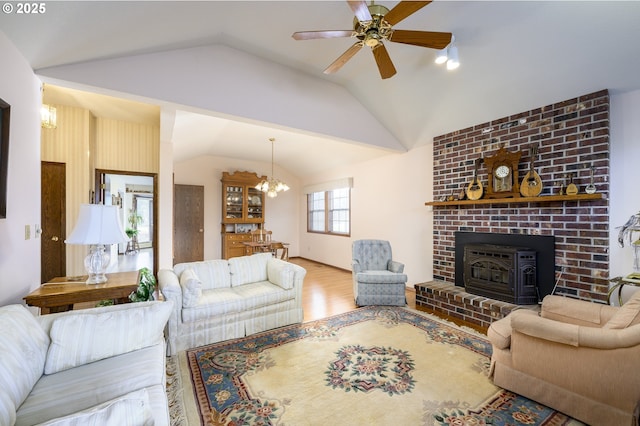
242,211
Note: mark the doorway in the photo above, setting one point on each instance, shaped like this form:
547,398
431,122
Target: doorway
135,194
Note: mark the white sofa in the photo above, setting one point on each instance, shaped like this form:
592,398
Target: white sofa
94,366
216,300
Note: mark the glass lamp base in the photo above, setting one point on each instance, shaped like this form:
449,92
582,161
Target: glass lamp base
96,263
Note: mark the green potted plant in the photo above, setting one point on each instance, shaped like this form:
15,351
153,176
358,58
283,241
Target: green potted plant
132,231
146,286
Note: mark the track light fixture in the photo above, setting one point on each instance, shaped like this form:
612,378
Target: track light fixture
449,55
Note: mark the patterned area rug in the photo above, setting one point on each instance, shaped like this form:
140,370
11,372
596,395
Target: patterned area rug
375,365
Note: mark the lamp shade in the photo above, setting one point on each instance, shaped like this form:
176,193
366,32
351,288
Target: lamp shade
97,224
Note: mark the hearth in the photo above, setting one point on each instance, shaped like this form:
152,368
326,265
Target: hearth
501,272
514,258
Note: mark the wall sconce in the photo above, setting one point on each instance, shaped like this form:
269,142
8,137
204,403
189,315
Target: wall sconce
48,117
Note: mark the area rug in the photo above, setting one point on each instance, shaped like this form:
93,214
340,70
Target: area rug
372,366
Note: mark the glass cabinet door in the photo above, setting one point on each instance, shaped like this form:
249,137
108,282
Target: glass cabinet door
233,201
255,204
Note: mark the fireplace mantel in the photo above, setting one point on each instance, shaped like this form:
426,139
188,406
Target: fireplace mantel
517,200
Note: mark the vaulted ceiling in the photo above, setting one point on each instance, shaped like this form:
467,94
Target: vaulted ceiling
514,55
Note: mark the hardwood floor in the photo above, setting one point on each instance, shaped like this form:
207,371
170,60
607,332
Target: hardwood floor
329,290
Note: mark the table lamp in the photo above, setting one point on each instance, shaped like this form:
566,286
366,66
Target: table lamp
97,225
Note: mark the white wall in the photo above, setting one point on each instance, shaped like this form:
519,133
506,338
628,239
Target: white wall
281,214
624,175
20,258
387,202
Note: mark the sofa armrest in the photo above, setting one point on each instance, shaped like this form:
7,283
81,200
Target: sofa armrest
396,267
575,335
169,285
355,266
499,332
574,311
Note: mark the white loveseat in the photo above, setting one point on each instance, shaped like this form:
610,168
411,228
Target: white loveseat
94,366
216,300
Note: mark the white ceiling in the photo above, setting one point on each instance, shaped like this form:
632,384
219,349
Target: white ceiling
515,56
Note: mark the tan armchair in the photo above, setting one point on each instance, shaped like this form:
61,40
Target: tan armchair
578,357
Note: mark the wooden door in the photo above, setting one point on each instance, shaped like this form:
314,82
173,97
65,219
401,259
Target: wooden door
188,223
53,256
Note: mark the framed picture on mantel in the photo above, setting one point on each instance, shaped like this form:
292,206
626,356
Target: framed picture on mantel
5,116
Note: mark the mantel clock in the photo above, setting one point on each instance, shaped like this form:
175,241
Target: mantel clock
502,167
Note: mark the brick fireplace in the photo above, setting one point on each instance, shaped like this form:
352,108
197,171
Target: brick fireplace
573,138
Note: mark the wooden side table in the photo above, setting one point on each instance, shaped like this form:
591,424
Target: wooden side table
60,294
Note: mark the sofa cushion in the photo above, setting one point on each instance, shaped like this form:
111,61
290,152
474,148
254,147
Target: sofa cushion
212,273
249,269
132,409
191,288
263,293
214,303
23,350
280,273
96,334
627,315
77,389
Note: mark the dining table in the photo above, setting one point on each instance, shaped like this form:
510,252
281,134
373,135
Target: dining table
252,247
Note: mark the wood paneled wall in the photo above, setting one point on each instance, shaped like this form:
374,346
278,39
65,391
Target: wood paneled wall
126,146
85,143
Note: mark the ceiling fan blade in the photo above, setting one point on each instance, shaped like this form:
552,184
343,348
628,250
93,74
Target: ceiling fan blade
338,63
311,35
361,10
431,39
403,10
385,66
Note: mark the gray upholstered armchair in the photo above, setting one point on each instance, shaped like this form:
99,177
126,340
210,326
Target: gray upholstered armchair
377,279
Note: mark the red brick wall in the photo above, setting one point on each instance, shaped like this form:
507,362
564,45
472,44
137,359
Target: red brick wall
573,136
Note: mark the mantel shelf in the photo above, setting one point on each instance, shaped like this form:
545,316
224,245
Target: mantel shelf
517,200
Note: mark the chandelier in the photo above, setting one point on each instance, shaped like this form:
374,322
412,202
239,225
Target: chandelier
272,185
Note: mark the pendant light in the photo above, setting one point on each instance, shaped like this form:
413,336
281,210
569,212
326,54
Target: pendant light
272,185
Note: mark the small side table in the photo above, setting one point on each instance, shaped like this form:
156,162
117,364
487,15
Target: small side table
620,282
60,294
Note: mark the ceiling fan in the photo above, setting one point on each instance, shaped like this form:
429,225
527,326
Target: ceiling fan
372,25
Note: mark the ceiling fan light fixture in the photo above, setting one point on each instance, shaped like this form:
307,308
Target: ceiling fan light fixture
372,39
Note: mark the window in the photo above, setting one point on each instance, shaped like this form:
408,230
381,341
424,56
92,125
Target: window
329,211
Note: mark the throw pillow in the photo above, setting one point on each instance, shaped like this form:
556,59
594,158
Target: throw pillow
191,288
249,269
627,315
132,409
84,336
280,275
